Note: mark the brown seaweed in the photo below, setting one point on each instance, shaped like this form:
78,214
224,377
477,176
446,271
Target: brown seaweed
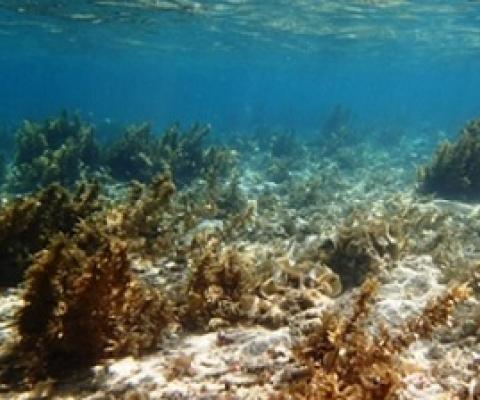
139,154
134,155
81,308
454,171
218,279
28,223
346,361
363,246
61,150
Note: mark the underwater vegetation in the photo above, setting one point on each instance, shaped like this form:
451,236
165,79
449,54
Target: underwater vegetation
65,150
338,120
224,197
28,223
3,168
186,157
139,154
7,141
219,278
145,219
454,171
82,304
345,360
336,131
134,154
363,246
286,155
60,149
112,268
285,144
6,148
313,190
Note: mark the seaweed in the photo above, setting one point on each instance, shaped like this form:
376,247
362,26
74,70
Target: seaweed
83,305
140,155
337,120
225,198
82,302
60,149
144,219
3,168
454,171
278,170
7,140
285,154
218,279
28,223
346,361
285,145
319,189
335,132
134,155
362,246
186,157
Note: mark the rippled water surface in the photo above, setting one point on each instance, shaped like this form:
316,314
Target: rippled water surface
308,26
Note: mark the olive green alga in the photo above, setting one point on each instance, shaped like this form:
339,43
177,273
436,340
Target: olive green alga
58,150
455,169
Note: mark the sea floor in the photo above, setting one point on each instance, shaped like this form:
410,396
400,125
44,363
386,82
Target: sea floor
439,245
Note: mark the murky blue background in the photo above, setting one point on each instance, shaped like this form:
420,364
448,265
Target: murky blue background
419,73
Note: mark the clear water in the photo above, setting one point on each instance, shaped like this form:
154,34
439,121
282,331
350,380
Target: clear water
241,63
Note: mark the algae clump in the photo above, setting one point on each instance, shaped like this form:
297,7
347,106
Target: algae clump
27,224
3,168
455,170
345,360
60,149
140,154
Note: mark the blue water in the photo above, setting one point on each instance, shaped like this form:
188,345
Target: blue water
240,64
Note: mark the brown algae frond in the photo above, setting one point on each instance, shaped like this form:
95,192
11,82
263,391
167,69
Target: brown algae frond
346,361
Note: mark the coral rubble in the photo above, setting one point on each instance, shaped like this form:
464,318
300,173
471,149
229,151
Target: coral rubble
455,170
